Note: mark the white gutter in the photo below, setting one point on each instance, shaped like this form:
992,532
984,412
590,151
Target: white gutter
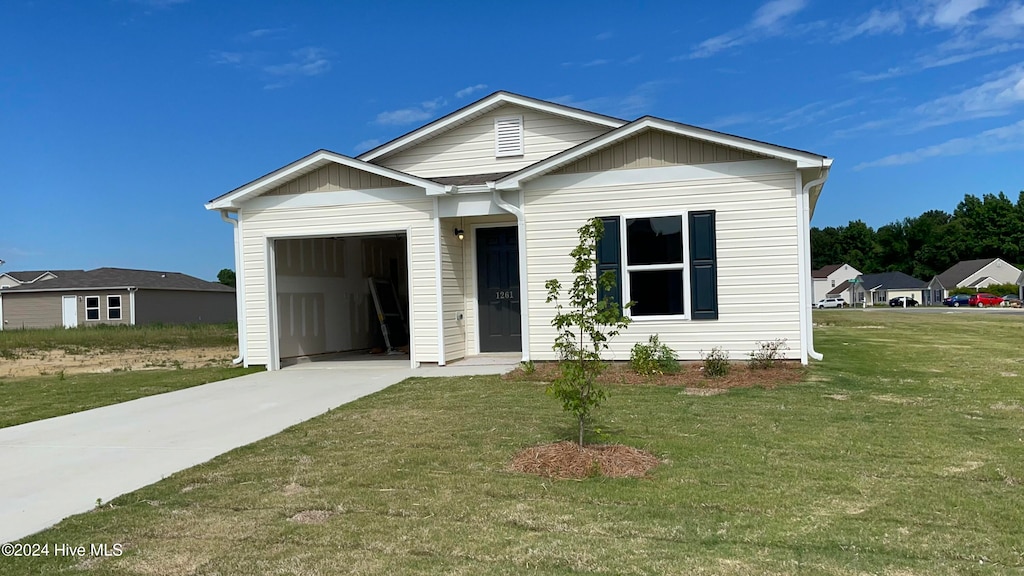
524,294
804,250
239,290
1,311
131,305
438,283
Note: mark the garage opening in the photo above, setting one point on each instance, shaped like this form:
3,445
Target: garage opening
325,311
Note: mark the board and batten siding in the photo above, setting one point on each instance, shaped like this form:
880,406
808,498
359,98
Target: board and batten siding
415,213
469,148
453,287
756,233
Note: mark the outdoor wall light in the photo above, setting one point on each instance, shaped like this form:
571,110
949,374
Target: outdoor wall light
459,233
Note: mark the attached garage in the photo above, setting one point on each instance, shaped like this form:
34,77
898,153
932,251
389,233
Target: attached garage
324,305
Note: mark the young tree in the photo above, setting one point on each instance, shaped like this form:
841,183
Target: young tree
584,327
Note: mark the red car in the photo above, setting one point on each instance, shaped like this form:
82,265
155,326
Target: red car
983,299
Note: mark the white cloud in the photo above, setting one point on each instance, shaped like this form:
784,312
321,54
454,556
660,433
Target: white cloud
996,140
890,73
634,103
366,145
768,20
597,62
310,61
229,58
424,111
469,90
997,96
604,36
953,13
875,23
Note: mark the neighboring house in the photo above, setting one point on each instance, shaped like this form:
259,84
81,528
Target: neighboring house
827,279
880,288
73,298
469,216
976,274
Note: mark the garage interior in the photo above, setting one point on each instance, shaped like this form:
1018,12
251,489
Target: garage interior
324,307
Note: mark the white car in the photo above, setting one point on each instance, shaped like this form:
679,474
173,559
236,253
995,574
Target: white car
831,303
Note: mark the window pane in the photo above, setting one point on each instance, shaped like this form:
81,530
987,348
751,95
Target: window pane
92,302
92,314
113,301
654,240
656,292
114,313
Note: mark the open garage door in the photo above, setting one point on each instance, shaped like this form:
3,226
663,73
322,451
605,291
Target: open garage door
324,308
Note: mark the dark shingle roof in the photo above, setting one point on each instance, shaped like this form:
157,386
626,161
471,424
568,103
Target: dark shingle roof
825,271
891,281
471,179
958,272
839,289
122,278
30,275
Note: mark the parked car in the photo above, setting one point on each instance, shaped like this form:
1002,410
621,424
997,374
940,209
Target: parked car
831,303
982,299
957,300
898,301
1012,301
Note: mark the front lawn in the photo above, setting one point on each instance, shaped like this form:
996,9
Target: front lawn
900,454
35,398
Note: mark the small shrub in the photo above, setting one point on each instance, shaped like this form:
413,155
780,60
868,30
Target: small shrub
716,363
528,367
768,353
653,358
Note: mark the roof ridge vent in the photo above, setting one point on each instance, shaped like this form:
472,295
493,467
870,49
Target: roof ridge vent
508,136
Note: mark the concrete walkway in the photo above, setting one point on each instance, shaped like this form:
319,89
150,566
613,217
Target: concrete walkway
53,468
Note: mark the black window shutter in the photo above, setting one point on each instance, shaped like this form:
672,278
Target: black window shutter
703,266
609,257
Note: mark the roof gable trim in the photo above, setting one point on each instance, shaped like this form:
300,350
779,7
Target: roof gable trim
232,199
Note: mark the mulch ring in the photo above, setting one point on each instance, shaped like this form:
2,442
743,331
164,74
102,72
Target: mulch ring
690,375
566,460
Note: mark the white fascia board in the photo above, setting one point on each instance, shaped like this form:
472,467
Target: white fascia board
802,160
231,200
493,101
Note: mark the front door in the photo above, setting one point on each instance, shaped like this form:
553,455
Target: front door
498,294
69,311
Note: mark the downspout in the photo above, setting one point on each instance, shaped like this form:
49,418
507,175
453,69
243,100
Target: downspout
524,296
805,265
131,304
438,283
239,289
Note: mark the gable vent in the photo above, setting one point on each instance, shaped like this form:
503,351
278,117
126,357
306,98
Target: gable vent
508,136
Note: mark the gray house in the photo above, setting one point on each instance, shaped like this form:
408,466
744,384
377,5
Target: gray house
71,298
879,288
977,274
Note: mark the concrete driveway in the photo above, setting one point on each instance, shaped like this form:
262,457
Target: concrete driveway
57,467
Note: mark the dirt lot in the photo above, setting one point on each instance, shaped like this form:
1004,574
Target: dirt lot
43,362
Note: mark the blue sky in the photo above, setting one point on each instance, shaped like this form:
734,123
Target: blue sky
120,118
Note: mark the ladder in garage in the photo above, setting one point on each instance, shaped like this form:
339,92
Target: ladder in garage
389,311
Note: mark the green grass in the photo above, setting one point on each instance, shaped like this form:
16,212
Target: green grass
79,340
901,454
35,398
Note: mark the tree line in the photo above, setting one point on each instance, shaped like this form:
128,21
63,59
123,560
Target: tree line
988,227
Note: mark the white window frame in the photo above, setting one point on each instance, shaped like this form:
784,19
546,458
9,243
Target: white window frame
98,308
684,266
522,137
119,307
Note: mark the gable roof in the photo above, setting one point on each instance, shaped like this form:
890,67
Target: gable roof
824,271
802,158
25,276
890,281
308,164
477,109
843,287
960,271
121,278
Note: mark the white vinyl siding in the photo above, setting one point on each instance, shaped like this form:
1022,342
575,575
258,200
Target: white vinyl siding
756,233
453,287
414,213
470,148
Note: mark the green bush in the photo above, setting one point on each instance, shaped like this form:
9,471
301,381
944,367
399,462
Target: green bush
716,362
653,358
997,289
768,353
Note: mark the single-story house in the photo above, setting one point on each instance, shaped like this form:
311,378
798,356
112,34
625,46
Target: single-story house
880,288
976,274
72,298
468,216
828,278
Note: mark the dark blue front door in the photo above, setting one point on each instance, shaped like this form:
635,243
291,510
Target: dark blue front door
498,294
